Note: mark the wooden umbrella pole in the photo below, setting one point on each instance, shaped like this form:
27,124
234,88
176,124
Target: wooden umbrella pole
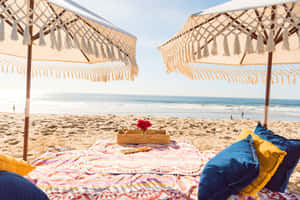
268,87
30,4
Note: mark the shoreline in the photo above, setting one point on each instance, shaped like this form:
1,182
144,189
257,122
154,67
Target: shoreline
82,131
167,106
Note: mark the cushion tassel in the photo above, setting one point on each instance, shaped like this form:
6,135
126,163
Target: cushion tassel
42,41
249,46
237,46
53,39
226,47
14,33
205,49
96,50
68,40
270,43
260,43
59,40
214,49
2,30
285,37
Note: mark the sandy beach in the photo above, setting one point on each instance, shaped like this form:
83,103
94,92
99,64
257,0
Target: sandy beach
81,131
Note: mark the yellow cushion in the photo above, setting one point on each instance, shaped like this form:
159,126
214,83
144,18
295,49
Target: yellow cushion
269,157
10,164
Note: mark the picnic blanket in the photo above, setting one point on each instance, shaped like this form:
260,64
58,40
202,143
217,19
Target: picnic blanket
85,174
177,158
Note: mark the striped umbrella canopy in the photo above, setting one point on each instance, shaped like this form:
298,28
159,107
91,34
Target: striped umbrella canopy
238,33
61,39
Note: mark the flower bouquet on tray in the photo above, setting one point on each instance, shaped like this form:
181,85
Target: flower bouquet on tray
143,135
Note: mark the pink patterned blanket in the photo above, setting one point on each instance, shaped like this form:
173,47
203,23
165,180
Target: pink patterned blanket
178,157
85,174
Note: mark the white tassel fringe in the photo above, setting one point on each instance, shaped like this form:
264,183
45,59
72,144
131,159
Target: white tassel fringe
14,32
90,48
192,51
299,37
226,46
59,40
187,50
214,49
260,44
2,29
123,57
249,46
103,51
237,45
68,40
119,54
109,55
76,41
270,43
205,49
26,37
285,37
42,41
96,50
186,58
112,50
83,45
52,38
198,50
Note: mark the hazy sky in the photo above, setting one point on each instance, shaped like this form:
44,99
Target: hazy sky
152,22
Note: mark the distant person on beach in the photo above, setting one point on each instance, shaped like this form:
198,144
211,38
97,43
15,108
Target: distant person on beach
14,108
242,115
231,117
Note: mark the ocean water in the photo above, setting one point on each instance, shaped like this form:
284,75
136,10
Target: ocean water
176,106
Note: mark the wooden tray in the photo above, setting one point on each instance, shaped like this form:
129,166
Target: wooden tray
135,136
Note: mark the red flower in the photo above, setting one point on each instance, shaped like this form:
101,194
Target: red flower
142,124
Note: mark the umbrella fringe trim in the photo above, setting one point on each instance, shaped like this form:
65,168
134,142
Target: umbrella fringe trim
270,29
95,41
287,76
43,70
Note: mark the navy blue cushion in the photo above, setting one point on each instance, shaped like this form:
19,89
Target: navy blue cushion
292,147
229,171
16,187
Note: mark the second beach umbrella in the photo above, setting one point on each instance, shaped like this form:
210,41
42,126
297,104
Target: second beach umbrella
239,32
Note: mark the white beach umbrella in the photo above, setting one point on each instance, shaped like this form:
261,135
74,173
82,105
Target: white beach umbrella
61,39
239,32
